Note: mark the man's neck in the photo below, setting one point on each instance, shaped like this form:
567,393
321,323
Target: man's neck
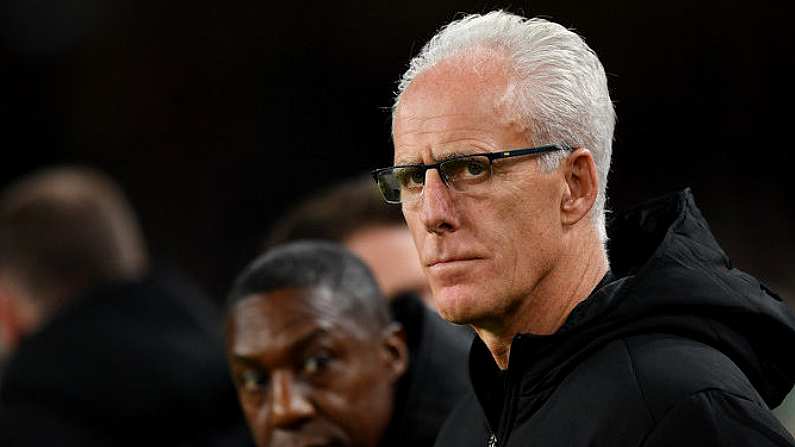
548,306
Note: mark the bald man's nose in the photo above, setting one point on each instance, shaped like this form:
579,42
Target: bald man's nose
289,407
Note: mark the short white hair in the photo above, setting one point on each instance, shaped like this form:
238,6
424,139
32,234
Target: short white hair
557,85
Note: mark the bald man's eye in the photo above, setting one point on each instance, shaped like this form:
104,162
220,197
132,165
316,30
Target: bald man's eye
317,363
252,381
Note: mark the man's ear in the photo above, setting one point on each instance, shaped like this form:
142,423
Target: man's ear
582,185
11,321
395,350
7,326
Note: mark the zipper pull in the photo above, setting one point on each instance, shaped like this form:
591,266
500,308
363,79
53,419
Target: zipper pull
492,440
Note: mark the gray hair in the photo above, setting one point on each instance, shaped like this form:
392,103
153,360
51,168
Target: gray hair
557,86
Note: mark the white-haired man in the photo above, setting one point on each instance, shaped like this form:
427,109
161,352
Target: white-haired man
502,131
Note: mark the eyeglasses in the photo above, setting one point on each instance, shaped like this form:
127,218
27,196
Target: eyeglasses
404,184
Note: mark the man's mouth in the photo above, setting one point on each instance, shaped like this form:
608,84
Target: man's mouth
448,261
311,439
321,443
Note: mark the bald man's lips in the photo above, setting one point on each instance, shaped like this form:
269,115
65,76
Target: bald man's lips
307,439
322,443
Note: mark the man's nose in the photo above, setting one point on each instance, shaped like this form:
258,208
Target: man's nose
289,406
438,210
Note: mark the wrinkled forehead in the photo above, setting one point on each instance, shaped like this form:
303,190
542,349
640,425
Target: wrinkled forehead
467,75
479,65
279,317
456,100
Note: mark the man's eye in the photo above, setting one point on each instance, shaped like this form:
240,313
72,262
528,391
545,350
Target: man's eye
317,363
466,168
475,168
252,380
411,177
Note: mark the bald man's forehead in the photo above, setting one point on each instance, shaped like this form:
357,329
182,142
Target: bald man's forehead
282,311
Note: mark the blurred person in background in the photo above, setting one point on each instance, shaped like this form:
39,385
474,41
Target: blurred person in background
318,359
100,349
503,130
353,213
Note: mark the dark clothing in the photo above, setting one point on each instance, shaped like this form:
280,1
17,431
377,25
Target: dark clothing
436,379
676,348
128,364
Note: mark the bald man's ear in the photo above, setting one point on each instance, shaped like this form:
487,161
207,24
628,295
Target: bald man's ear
582,185
395,351
18,316
8,331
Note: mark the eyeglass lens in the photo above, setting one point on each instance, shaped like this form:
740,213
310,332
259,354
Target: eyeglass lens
405,184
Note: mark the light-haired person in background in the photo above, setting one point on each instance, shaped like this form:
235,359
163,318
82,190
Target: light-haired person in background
102,350
62,231
503,129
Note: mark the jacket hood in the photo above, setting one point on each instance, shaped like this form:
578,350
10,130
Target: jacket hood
674,276
669,275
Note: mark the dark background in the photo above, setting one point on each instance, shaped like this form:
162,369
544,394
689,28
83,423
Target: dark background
215,117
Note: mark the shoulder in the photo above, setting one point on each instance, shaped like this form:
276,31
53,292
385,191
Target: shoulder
654,372
714,417
671,368
661,386
24,424
466,425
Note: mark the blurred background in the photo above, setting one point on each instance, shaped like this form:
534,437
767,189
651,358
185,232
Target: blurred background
216,116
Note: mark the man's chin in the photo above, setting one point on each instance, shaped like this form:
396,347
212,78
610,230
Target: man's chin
309,443
293,439
458,306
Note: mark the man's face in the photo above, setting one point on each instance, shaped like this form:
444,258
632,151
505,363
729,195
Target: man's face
485,251
306,375
389,252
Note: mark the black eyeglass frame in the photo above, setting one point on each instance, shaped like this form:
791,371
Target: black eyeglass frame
490,155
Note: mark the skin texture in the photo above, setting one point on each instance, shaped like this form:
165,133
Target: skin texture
518,255
390,254
309,376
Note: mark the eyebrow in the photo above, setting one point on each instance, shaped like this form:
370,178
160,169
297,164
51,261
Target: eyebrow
443,158
299,345
454,154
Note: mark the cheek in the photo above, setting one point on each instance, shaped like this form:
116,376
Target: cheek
527,216
251,405
257,420
525,230
369,384
360,408
494,225
416,228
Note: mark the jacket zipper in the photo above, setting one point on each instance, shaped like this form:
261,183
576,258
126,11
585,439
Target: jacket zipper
506,419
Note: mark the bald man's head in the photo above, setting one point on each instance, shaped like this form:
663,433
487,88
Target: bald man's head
328,267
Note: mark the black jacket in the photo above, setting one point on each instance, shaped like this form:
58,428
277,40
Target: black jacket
126,364
674,348
436,379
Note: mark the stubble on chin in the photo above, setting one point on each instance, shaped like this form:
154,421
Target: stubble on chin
458,306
